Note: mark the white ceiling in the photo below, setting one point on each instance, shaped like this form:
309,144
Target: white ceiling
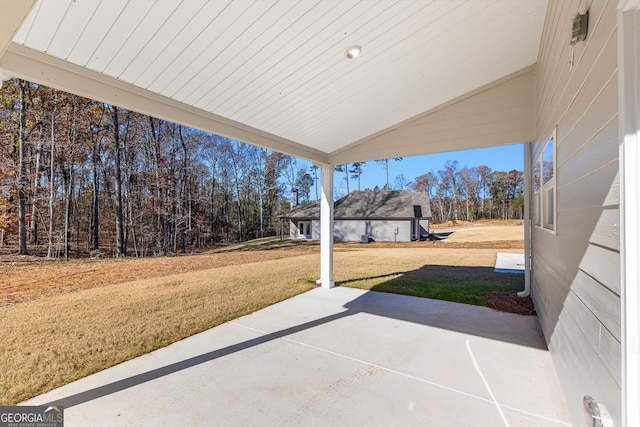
278,67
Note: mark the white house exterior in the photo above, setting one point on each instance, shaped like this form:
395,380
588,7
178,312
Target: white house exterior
432,77
380,216
575,236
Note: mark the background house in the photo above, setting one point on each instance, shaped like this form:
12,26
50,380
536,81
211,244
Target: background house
382,216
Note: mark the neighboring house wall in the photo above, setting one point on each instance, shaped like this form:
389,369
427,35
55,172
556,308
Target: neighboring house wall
300,228
378,230
575,271
353,230
382,215
424,227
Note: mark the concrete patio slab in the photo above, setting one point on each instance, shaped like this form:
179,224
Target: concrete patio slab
335,357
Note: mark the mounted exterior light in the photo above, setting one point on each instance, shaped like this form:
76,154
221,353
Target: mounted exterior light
579,28
353,52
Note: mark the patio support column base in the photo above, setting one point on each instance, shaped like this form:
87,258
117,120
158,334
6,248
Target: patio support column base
326,228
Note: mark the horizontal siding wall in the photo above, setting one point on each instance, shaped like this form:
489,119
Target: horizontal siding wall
378,230
575,271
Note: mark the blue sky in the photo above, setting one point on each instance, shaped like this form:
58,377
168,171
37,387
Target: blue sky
504,158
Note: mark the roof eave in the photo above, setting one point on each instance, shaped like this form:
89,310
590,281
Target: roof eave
38,67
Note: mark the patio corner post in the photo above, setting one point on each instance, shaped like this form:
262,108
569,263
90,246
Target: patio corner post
326,228
628,21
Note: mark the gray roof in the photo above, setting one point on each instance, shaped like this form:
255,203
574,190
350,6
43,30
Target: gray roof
369,204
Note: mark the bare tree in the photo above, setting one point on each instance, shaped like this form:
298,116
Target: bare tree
385,162
315,168
449,186
344,168
96,127
21,172
484,173
356,171
168,187
52,174
470,184
121,249
36,174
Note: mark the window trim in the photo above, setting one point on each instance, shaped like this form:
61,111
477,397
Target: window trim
536,178
301,228
541,215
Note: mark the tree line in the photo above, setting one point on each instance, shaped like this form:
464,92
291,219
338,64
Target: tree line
455,193
78,176
84,176
472,193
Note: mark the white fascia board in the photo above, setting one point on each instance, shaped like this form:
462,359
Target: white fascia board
12,14
38,67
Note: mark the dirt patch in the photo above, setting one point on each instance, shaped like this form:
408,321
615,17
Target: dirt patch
509,302
478,223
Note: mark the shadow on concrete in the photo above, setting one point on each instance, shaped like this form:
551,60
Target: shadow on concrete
462,318
114,387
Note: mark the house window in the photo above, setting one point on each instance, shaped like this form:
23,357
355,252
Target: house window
537,179
544,187
304,229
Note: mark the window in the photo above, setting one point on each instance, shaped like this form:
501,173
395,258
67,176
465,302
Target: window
544,187
304,229
537,218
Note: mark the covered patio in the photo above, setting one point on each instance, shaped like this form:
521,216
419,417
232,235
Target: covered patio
335,357
430,77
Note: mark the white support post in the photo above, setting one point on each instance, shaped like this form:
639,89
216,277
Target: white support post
527,220
629,127
326,228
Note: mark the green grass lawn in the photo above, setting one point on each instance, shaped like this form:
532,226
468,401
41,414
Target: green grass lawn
457,284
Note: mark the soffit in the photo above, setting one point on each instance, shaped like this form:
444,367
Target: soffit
279,66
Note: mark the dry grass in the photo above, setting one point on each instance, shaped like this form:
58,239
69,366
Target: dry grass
52,341
81,317
26,281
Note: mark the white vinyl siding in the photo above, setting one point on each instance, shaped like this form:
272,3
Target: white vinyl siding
350,230
576,269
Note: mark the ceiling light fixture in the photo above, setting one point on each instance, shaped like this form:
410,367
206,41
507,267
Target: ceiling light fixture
353,52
